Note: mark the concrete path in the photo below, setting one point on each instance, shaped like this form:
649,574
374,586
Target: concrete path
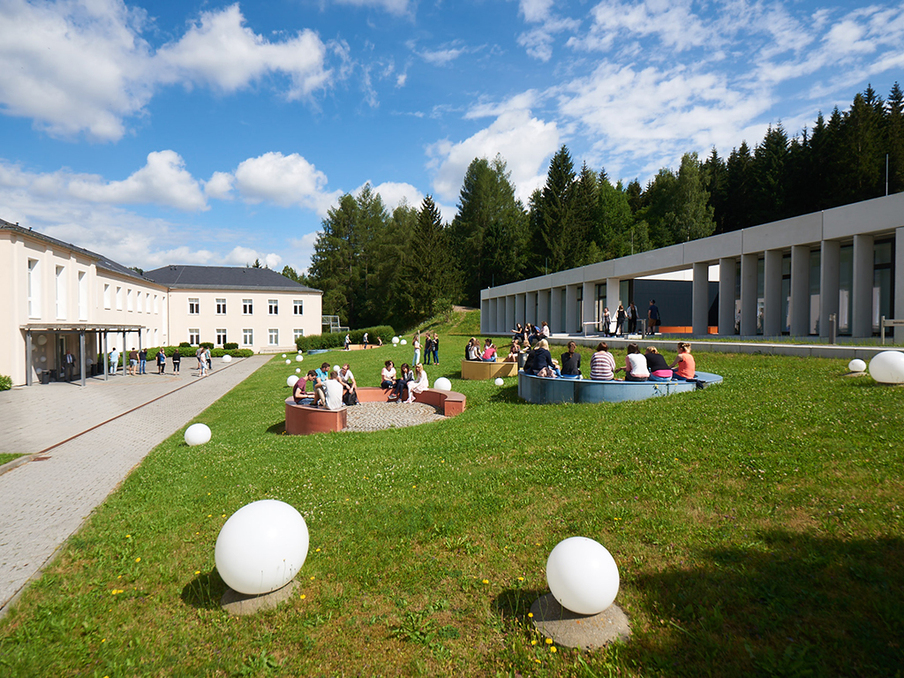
84,441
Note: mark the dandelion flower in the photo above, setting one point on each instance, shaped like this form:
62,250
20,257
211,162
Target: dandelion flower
549,641
197,571
128,536
312,578
530,615
533,642
552,649
138,559
520,578
303,596
486,581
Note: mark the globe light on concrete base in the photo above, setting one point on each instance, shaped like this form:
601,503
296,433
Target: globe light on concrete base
288,362
442,384
227,358
283,355
297,370
335,368
299,358
404,342
291,380
197,434
582,575
261,547
856,365
499,381
395,340
887,367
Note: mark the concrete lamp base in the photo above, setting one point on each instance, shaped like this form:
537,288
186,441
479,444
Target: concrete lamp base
240,604
587,632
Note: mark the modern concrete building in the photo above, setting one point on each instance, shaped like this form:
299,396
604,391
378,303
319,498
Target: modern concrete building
59,298
838,270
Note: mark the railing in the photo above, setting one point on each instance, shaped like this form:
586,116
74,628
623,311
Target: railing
888,322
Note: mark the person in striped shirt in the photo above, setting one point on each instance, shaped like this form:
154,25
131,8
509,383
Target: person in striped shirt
602,364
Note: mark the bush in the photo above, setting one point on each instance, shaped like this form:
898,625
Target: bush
6,383
184,344
190,353
337,339
207,344
230,345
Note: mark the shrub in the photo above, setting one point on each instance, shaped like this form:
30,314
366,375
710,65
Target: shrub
184,344
230,345
207,344
6,383
336,339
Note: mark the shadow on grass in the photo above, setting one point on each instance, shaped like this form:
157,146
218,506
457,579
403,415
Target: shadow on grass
278,428
514,604
508,394
792,605
204,591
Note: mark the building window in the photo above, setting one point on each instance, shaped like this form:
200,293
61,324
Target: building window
107,303
221,337
194,336
118,298
221,307
298,307
34,289
155,303
297,334
248,337
60,292
274,306
129,299
247,306
82,295
138,306
274,337
194,306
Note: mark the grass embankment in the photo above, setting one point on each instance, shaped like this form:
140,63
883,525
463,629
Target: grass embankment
757,526
6,457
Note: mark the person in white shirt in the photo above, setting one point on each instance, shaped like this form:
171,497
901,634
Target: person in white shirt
420,383
349,385
332,392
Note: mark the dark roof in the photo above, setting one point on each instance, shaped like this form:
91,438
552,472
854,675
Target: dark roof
223,278
100,260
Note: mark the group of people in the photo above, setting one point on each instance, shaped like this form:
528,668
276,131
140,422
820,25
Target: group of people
331,389
647,366
486,352
430,347
138,360
529,334
404,384
626,319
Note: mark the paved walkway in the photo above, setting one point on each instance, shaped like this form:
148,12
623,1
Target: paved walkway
85,441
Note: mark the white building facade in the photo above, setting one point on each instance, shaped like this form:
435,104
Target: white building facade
840,270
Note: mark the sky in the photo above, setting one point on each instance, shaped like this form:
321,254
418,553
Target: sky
215,133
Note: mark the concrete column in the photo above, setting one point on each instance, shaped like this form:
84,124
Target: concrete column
830,261
530,312
484,316
509,322
898,283
500,314
520,303
81,354
749,264
104,359
542,307
588,304
862,292
772,294
728,275
799,307
571,309
28,356
700,301
612,298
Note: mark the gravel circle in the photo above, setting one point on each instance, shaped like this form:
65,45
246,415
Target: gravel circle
379,416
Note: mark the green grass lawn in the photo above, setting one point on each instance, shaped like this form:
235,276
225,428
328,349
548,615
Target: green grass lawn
6,457
757,526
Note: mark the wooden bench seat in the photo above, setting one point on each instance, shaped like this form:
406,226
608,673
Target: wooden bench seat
480,370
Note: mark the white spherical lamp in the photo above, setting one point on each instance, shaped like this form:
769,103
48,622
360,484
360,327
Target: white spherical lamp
395,340
499,381
299,358
288,362
297,370
582,575
290,381
42,339
335,368
857,365
261,547
283,355
404,342
197,434
227,358
442,384
887,367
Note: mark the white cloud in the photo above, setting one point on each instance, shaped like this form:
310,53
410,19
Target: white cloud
534,10
285,180
244,256
397,7
221,51
442,57
219,186
394,193
524,142
162,181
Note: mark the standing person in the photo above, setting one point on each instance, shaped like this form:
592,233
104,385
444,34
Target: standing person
143,361
114,361
133,362
653,319
428,348
208,358
571,362
635,368
177,361
364,340
417,348
602,364
632,318
620,317
202,362
684,366
68,364
161,362
436,348
348,343
607,321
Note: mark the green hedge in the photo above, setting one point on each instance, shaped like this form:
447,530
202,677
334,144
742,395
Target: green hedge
336,339
189,352
6,383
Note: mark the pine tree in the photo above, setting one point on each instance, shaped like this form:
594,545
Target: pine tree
715,181
894,138
554,216
769,175
739,207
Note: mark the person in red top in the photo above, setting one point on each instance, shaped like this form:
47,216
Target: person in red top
686,365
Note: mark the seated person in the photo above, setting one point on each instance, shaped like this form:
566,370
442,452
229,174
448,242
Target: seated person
602,364
300,390
388,375
319,390
324,372
658,367
349,386
401,384
332,392
635,368
571,362
540,361
514,352
545,332
472,351
687,366
419,384
489,352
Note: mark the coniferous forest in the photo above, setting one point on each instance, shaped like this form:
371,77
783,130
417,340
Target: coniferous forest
403,266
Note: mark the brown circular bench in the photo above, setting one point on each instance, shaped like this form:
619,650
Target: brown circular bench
304,419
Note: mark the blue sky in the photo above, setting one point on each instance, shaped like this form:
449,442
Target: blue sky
215,133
